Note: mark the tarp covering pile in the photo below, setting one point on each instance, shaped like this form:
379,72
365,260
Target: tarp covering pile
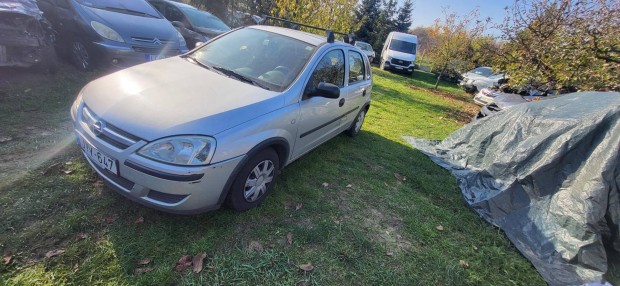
547,173
27,7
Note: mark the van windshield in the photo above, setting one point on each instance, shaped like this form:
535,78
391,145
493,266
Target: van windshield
137,8
402,46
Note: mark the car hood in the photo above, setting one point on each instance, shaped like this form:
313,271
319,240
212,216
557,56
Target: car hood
175,97
401,55
129,26
210,32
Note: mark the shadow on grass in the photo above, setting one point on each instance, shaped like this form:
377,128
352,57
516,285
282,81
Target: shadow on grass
375,187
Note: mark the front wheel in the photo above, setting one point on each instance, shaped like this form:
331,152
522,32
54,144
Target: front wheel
356,127
254,181
81,56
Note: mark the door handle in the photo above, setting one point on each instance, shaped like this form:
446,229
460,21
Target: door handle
341,102
364,92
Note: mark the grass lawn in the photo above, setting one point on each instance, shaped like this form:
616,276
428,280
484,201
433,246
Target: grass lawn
363,211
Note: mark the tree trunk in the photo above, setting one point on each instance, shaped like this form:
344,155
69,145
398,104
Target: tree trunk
438,78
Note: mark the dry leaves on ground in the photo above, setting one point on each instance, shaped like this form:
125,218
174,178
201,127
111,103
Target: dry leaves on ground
81,236
67,172
111,218
299,206
50,168
256,246
6,260
53,253
349,186
306,267
144,261
400,177
325,185
464,264
75,267
139,220
289,238
197,261
5,139
439,227
184,262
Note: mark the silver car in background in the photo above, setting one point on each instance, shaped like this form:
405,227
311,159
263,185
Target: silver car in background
189,133
367,48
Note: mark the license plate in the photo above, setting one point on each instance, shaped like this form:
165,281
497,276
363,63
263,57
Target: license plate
154,57
102,160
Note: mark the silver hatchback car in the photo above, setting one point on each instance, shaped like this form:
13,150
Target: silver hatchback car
191,133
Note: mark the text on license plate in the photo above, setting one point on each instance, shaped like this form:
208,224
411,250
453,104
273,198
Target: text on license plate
102,160
154,57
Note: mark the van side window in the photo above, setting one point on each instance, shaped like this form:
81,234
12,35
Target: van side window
356,67
329,70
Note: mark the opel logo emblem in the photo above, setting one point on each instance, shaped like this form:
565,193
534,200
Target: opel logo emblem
98,127
157,41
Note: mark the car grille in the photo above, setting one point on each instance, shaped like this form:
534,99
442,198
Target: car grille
400,62
165,198
107,132
152,41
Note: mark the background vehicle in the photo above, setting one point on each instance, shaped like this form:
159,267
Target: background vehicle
399,52
195,25
253,100
367,48
26,38
111,32
480,78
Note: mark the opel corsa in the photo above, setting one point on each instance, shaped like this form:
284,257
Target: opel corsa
190,133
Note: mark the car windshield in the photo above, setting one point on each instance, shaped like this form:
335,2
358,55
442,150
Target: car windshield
364,46
483,71
402,46
204,19
258,57
138,8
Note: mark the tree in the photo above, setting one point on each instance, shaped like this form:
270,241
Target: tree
337,15
367,14
224,9
453,37
573,44
403,20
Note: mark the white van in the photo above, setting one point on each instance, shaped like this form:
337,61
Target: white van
399,52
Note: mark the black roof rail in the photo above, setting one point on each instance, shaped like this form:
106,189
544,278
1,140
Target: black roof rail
347,38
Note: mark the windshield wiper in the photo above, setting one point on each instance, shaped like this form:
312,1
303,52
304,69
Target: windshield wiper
129,11
232,73
196,61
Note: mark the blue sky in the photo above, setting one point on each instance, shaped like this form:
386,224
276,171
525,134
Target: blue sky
426,11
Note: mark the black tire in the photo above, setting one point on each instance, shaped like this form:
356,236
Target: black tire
81,55
239,191
355,129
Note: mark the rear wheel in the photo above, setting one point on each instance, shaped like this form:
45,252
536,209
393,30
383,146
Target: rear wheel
356,127
254,181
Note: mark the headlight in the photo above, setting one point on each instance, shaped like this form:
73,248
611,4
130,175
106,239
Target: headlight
181,150
106,32
182,43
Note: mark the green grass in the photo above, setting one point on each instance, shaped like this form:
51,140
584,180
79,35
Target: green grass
380,231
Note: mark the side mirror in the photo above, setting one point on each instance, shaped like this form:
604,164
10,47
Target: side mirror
178,24
198,44
327,90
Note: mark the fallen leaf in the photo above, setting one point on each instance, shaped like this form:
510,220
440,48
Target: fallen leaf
111,218
67,172
142,270
439,227
325,185
349,186
289,238
197,261
139,220
475,248
400,177
389,253
53,253
68,163
288,205
6,260
464,264
27,90
5,139
98,184
49,168
256,246
30,128
299,206
75,267
184,262
336,221
144,261
306,267
81,236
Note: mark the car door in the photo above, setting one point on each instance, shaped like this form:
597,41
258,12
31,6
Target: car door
357,89
320,117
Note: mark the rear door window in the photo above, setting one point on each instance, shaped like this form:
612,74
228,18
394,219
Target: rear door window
357,68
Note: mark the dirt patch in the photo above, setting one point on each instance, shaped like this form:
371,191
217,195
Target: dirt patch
386,229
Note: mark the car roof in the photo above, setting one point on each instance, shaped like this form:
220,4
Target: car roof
295,34
179,4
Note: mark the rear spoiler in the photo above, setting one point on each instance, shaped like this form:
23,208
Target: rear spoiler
347,38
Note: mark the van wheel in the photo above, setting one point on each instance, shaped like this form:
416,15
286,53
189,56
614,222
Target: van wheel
356,127
254,181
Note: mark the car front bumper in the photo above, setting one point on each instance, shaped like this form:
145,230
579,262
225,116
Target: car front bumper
482,100
169,188
123,55
390,66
